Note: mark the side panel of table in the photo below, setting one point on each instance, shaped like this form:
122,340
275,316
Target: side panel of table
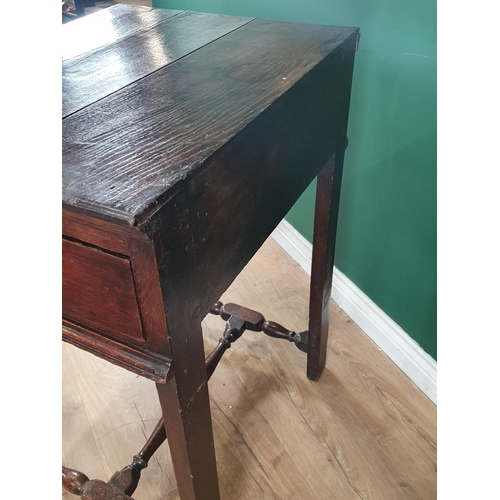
112,302
219,219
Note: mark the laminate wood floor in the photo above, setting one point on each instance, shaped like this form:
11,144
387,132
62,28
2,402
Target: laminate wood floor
364,431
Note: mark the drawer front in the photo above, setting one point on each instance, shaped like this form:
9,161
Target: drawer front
99,291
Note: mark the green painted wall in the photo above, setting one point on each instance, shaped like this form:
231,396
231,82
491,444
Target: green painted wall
387,228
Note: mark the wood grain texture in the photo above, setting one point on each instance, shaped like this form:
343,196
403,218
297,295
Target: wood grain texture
108,25
241,125
98,73
149,296
258,176
120,162
130,258
79,484
98,232
98,291
80,448
329,182
137,360
120,428
191,442
323,257
364,431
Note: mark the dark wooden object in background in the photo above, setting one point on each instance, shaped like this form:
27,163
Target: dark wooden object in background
175,175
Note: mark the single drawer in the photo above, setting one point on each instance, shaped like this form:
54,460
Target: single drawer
99,292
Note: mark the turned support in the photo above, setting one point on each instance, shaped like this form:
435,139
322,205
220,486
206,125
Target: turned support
79,484
254,321
123,483
238,319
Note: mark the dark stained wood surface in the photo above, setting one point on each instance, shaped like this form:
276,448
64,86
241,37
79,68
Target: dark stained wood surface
123,155
247,187
98,73
210,229
139,361
325,222
96,232
194,160
189,428
98,291
79,484
134,247
107,26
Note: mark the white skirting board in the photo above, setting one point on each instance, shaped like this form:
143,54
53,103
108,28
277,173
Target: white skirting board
388,335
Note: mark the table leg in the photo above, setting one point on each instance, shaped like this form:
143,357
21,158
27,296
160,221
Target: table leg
325,229
188,425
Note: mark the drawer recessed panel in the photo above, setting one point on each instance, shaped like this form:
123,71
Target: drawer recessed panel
99,292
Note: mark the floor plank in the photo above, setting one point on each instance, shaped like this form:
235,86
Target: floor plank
79,445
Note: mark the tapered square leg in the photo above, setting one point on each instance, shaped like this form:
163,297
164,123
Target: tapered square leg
325,229
188,424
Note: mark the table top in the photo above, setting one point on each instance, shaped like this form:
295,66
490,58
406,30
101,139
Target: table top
150,95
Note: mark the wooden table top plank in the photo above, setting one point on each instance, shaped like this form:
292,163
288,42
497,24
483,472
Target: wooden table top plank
96,74
119,21
126,152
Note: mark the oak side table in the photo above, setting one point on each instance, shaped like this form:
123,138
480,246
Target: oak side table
187,137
